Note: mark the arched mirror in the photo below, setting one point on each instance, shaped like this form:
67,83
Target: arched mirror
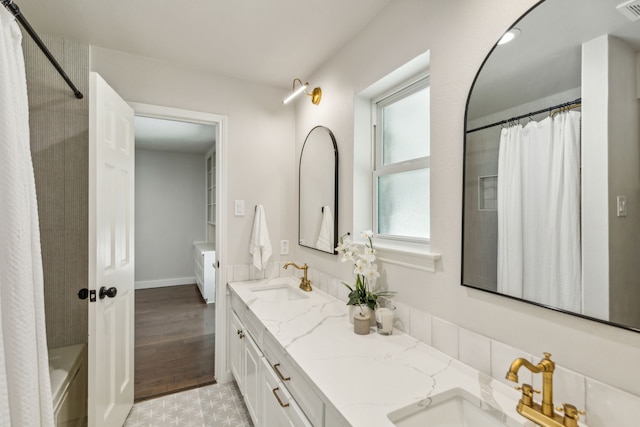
318,199
552,163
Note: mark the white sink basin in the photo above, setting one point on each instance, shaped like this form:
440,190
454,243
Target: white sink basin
278,293
454,408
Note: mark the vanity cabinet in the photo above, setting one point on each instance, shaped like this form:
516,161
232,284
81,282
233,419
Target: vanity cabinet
279,408
236,351
274,388
292,378
245,359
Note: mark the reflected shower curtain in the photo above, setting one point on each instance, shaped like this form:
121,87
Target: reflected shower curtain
539,212
25,388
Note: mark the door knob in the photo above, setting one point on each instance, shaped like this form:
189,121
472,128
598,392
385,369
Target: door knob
111,292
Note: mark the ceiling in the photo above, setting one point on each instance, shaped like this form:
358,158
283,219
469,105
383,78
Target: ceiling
170,135
264,41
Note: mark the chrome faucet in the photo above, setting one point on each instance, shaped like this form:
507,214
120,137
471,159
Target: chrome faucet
305,284
543,414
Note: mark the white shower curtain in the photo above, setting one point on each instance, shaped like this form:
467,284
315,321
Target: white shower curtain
539,212
25,388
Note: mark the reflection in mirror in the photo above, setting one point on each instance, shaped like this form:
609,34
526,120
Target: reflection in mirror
318,199
552,164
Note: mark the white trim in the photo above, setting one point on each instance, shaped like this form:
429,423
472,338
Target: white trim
162,283
417,256
222,373
424,261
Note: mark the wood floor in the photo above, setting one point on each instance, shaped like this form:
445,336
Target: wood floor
174,341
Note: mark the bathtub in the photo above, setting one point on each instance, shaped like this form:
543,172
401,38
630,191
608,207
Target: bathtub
68,372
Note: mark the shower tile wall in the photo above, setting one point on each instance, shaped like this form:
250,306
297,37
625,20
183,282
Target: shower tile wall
59,126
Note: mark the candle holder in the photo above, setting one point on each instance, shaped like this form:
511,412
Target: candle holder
361,323
384,319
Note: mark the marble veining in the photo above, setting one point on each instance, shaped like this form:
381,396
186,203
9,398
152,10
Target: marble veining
364,377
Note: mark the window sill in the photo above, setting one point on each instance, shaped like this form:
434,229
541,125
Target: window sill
415,256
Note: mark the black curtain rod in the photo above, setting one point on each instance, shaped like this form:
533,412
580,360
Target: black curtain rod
15,10
513,119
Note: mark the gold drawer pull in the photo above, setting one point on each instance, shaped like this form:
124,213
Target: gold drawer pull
280,373
275,393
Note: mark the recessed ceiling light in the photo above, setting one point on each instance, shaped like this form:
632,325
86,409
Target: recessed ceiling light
510,35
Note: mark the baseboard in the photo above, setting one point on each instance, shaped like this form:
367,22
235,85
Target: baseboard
147,284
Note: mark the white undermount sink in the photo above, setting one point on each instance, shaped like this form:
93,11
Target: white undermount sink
454,408
278,293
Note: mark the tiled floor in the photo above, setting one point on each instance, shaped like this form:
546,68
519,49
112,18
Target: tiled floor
217,405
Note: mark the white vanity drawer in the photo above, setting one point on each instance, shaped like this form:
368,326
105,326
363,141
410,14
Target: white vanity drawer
279,408
292,378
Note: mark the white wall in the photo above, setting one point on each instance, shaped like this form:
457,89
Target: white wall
261,160
169,215
459,35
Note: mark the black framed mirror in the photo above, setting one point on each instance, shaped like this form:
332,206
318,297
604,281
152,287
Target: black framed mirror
551,205
318,191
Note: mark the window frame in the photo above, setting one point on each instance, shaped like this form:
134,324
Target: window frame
379,169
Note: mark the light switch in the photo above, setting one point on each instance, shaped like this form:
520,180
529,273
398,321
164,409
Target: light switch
622,205
284,247
239,208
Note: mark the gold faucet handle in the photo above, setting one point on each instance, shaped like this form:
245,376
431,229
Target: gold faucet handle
527,394
571,414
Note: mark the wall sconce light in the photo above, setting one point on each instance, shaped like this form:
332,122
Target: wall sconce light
316,93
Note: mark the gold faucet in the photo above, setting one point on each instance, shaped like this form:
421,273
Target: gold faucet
543,414
305,284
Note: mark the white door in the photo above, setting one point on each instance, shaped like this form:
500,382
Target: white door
111,266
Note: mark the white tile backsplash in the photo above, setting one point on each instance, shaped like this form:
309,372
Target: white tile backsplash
342,293
230,277
501,358
240,273
474,350
444,337
255,274
332,287
312,275
284,273
606,406
401,317
420,325
271,271
568,386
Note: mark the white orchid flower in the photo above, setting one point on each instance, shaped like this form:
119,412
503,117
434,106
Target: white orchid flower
347,256
372,273
369,258
367,234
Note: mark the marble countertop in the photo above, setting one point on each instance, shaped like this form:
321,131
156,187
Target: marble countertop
365,377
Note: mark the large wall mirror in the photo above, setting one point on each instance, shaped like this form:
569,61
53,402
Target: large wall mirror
318,208
552,163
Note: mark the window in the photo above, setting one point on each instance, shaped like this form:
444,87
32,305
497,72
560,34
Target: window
401,174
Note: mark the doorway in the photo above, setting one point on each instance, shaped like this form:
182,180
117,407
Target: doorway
175,326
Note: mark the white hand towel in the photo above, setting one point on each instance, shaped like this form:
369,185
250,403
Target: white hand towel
260,246
325,238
